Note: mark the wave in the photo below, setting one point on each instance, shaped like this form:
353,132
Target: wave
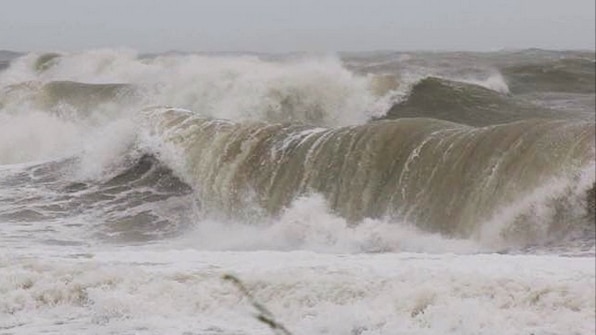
315,90
70,100
84,96
137,200
464,103
431,97
444,177
525,71
267,138
572,75
46,61
516,184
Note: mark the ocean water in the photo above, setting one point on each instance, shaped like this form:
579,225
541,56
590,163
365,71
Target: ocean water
360,194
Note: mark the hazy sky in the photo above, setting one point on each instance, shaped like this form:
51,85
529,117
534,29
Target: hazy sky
297,25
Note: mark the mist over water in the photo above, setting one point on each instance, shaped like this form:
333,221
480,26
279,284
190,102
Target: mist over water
332,184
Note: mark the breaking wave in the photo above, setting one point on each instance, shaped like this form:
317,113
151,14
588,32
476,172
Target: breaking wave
443,177
370,159
308,90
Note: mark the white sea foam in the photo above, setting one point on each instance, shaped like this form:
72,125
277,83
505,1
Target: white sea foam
106,147
153,290
538,209
311,90
31,136
494,82
309,224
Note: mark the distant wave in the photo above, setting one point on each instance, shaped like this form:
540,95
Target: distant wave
464,103
574,75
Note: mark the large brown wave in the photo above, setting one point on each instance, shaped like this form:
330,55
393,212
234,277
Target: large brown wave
444,177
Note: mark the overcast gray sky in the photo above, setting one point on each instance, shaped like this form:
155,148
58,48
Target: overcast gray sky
298,25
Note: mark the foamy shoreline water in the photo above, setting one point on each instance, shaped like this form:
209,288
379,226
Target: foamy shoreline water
156,290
